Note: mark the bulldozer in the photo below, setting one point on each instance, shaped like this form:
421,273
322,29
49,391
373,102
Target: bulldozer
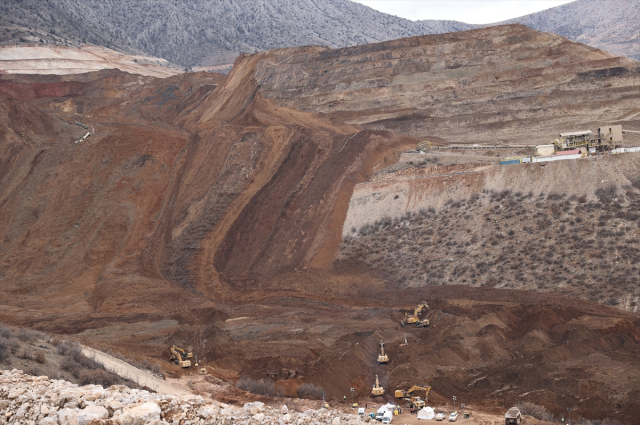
180,357
408,394
377,390
382,358
415,317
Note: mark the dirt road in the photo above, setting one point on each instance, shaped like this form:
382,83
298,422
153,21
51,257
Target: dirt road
125,370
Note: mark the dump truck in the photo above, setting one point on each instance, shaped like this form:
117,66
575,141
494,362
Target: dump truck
382,358
513,416
377,390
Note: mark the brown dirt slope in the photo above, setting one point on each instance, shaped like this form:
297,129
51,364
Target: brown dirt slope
200,198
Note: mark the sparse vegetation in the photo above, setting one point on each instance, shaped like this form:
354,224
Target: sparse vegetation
513,240
308,390
38,354
260,386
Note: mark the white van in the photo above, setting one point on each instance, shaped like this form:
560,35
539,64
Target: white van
361,411
388,417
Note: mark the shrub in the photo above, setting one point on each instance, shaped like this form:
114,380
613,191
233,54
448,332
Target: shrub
40,357
535,410
26,353
71,366
6,332
14,345
34,371
260,387
98,377
25,335
309,390
68,348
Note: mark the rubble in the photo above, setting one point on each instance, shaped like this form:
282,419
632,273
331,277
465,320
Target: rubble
38,400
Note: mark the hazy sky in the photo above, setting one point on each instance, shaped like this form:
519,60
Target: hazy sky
469,11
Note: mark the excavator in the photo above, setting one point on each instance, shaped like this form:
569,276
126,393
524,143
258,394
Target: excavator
180,357
415,317
409,393
382,358
377,390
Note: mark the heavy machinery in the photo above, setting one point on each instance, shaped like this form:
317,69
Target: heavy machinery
382,358
409,393
513,416
415,317
377,390
180,357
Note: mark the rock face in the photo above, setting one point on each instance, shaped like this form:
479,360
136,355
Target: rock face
48,402
500,84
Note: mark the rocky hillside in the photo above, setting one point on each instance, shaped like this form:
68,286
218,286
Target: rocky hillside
611,25
211,32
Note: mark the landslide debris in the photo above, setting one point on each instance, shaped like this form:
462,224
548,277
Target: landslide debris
45,401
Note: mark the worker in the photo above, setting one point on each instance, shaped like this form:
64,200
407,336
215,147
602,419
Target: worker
344,398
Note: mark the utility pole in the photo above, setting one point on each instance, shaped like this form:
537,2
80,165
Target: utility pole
569,409
454,403
352,390
462,405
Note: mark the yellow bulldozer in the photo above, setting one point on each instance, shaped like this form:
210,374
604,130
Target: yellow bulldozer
415,317
180,357
377,390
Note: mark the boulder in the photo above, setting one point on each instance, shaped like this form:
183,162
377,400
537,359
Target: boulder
335,421
92,412
205,412
67,417
259,417
140,414
286,418
48,421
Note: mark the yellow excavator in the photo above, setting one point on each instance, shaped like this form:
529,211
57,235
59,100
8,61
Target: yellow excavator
180,357
377,390
415,317
382,358
409,393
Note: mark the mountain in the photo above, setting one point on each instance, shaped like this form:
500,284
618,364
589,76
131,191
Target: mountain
275,222
212,32
611,25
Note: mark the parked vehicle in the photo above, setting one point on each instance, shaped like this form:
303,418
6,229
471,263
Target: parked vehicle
387,418
361,411
379,416
440,417
453,417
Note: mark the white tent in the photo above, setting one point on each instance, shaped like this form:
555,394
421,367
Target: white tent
426,413
386,408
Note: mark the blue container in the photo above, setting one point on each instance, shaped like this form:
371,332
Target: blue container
511,161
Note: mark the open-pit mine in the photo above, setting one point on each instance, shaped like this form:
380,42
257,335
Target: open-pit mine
279,221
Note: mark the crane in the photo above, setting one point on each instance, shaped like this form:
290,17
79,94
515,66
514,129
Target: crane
382,358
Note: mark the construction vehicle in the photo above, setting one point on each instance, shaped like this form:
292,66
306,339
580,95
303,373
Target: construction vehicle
513,416
415,317
416,402
409,393
180,357
382,358
377,390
